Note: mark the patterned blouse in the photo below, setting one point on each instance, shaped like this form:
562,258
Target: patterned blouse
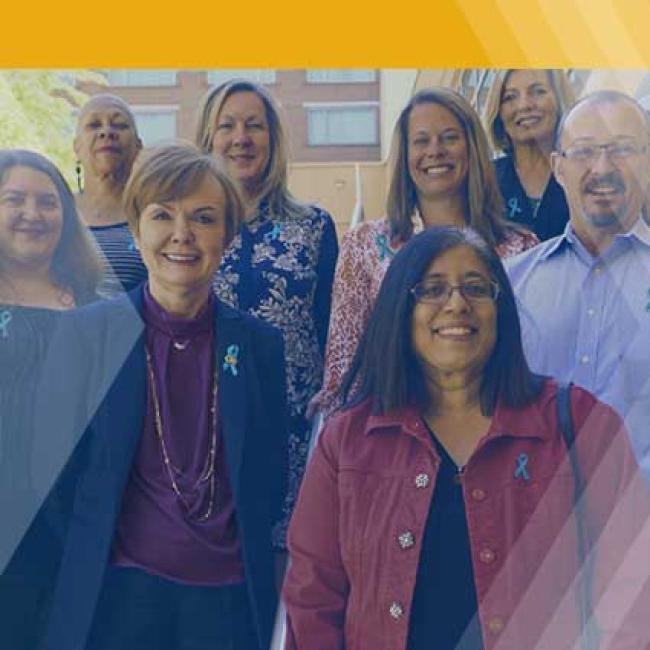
366,252
281,269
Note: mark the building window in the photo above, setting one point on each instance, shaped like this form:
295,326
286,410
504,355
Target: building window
342,124
340,76
475,86
260,76
155,124
141,77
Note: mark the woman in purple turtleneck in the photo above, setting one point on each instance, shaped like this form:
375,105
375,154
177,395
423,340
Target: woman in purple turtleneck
176,403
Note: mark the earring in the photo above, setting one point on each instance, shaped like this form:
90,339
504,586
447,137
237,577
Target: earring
78,170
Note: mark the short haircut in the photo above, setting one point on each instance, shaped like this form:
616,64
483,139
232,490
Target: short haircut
108,98
386,367
76,264
483,202
598,98
500,140
170,173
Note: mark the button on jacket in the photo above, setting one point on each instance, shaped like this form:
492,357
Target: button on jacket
357,528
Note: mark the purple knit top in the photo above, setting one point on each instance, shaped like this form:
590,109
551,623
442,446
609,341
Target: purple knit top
157,531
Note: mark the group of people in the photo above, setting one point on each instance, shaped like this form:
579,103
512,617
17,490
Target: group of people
166,339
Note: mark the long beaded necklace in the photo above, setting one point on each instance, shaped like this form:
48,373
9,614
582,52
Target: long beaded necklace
208,473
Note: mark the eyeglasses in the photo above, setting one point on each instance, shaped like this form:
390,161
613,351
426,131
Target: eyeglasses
616,151
438,293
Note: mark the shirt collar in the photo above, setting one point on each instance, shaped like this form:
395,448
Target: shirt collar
639,232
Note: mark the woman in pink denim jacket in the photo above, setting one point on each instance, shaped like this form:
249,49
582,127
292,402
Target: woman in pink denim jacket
438,509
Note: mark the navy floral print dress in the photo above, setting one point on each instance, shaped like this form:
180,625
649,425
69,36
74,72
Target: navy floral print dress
280,269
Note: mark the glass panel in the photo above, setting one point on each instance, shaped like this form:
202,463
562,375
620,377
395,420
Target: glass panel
154,126
340,76
141,77
260,76
330,126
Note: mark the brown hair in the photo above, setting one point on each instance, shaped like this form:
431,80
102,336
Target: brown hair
75,263
483,203
499,139
274,184
171,172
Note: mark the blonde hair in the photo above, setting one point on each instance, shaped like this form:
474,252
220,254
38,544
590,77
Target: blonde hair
171,172
274,184
483,203
499,139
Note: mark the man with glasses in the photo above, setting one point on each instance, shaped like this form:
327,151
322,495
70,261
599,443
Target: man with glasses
584,297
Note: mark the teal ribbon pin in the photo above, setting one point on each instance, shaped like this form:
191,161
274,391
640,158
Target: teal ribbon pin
647,307
231,360
513,207
384,249
5,319
274,234
521,471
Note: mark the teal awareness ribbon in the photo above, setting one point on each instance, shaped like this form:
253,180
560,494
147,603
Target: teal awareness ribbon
522,462
274,234
513,207
5,319
384,249
231,360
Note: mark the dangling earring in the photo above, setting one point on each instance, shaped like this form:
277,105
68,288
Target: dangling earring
78,170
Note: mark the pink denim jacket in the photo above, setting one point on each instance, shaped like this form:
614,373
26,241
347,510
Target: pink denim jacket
357,529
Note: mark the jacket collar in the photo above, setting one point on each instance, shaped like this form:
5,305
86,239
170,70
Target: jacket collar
527,422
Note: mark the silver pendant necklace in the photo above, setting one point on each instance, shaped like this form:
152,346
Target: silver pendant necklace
180,345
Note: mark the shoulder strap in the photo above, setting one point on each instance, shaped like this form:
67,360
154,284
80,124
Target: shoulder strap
565,422
564,415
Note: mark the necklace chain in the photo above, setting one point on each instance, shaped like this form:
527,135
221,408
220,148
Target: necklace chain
208,473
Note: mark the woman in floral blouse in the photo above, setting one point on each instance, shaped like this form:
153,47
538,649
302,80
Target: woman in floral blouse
281,266
442,175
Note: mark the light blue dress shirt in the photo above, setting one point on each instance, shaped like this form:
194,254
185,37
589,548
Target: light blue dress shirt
586,319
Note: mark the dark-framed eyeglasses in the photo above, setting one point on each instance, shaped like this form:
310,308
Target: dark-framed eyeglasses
617,151
439,292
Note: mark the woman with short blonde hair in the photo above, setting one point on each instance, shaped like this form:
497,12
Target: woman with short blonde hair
177,403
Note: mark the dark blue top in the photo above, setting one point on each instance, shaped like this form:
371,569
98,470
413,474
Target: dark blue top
444,610
546,216
280,268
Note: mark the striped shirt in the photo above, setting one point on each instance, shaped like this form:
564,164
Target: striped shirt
123,267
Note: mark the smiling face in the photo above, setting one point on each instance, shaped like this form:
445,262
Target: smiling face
605,194
242,140
31,219
106,142
454,340
182,241
529,109
437,151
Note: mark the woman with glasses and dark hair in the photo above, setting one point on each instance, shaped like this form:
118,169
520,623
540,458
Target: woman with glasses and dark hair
521,116
442,175
280,267
437,508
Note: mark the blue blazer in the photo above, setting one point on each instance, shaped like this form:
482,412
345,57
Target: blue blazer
90,413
